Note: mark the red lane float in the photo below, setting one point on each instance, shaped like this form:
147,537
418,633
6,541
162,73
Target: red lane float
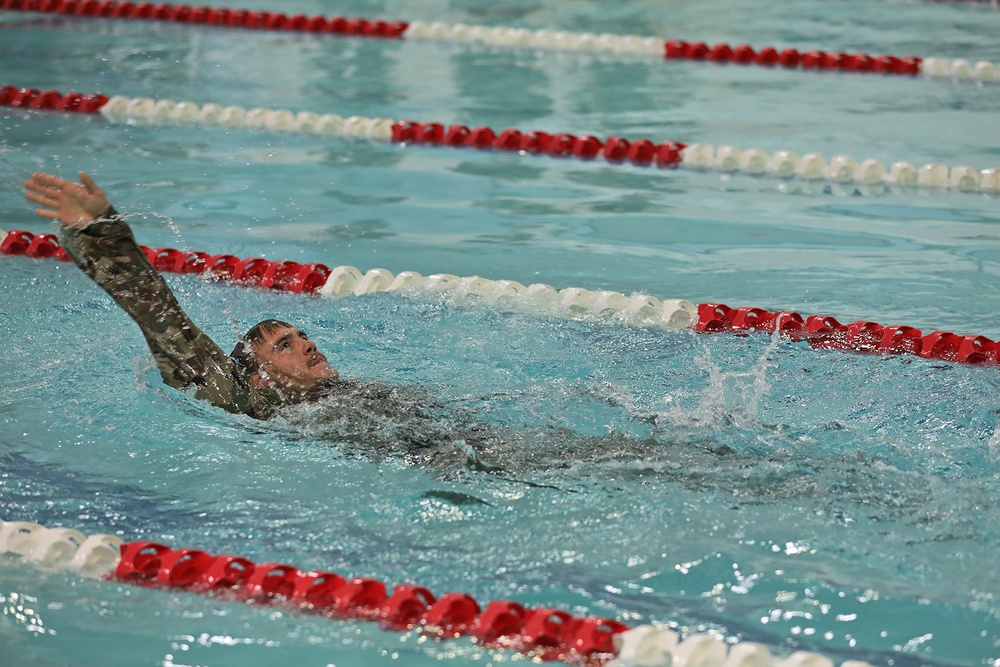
280,275
768,56
539,633
30,98
42,246
219,16
825,332
614,149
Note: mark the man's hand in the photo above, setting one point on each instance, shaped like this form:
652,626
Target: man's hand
75,205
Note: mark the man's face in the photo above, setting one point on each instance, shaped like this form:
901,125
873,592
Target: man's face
289,360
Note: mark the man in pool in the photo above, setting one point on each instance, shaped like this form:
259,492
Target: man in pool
273,365
275,368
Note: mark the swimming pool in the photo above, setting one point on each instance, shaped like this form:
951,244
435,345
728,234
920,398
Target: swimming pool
757,489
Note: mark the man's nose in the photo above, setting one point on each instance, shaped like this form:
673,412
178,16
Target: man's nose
310,347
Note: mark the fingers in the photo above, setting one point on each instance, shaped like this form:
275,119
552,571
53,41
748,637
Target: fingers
50,180
74,204
38,187
53,185
46,184
45,190
89,183
40,195
40,198
51,207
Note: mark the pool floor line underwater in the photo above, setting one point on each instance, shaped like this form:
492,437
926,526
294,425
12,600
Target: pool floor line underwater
541,633
520,38
783,164
819,331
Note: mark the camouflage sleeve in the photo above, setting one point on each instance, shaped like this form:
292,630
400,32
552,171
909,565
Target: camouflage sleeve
107,251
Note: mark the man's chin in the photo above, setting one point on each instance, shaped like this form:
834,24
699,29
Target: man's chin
326,372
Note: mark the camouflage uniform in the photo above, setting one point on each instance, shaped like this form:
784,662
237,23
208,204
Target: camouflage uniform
187,358
379,417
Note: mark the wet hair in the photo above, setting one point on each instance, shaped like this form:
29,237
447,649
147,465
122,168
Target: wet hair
245,352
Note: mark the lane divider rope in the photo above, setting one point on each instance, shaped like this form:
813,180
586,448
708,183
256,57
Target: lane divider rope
503,37
317,279
540,633
781,164
642,310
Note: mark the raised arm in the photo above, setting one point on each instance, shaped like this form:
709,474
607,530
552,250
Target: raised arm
102,245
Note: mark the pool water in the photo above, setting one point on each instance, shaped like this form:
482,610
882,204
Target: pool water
749,487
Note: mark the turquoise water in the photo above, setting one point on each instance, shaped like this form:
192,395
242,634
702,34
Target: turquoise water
756,489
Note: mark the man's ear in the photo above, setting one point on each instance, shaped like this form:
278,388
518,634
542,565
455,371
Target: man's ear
258,381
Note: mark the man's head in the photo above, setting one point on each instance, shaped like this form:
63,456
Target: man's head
275,354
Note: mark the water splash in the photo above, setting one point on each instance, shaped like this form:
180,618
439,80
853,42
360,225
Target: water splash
993,446
167,221
183,288
730,399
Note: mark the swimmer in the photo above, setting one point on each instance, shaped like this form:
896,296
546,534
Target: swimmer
273,365
276,370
